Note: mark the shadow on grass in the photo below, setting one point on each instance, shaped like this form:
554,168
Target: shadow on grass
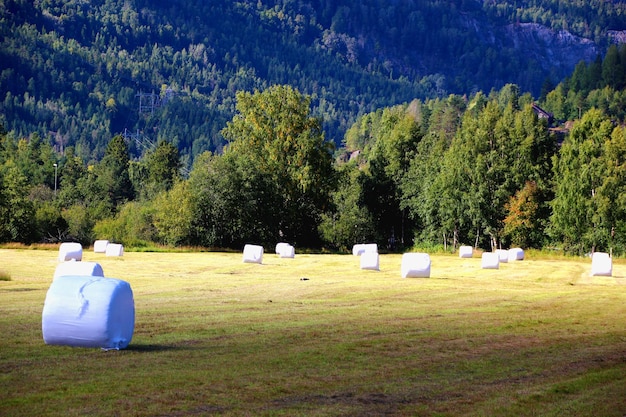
155,348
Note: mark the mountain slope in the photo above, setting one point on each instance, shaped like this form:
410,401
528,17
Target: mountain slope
79,72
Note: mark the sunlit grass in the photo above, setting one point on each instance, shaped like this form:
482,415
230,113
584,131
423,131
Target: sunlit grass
215,336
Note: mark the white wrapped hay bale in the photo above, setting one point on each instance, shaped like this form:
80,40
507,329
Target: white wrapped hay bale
85,269
89,312
361,248
70,251
287,251
370,261
601,264
280,246
358,249
490,260
100,246
503,255
114,249
516,254
415,265
253,254
466,251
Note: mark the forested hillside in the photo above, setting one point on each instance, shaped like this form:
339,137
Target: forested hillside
78,73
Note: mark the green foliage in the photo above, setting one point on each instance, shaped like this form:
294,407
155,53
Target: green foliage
274,136
580,171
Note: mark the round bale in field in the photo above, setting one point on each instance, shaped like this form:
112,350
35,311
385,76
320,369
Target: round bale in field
490,260
360,248
114,249
370,261
601,264
287,251
253,254
87,269
503,255
415,265
69,251
466,251
100,246
516,254
86,311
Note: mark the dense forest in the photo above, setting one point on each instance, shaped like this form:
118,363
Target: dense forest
353,138
78,73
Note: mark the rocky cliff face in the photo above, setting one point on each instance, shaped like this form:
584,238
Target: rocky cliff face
550,48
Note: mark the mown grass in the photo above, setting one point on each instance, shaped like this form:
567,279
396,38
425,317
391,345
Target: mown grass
215,336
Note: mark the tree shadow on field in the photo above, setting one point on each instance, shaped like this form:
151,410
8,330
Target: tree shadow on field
156,348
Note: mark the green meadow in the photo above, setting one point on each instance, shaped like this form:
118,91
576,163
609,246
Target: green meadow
318,336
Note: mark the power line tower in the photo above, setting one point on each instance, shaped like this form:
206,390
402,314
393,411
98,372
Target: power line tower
148,102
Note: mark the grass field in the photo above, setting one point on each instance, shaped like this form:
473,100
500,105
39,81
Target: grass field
215,336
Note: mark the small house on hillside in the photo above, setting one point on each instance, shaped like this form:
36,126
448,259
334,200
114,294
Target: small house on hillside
542,114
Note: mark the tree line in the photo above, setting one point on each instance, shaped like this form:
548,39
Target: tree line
485,170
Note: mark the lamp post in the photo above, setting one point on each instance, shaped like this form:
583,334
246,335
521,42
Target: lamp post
55,179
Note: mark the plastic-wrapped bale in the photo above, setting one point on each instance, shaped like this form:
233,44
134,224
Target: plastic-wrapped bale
415,265
70,251
253,254
360,248
86,269
280,246
114,249
287,251
503,255
370,261
601,264
516,254
100,246
94,312
466,251
490,260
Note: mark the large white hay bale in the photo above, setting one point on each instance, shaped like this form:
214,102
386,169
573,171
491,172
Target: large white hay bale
361,248
280,246
466,252
253,254
114,249
516,254
490,260
86,269
415,265
287,251
88,312
370,261
100,246
503,255
70,251
601,264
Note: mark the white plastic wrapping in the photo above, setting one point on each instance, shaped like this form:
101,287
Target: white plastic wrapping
114,249
70,251
415,265
516,254
601,264
466,251
360,248
100,246
490,260
253,254
287,251
87,269
370,261
84,311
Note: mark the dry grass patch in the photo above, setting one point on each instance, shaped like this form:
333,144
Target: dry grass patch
215,336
